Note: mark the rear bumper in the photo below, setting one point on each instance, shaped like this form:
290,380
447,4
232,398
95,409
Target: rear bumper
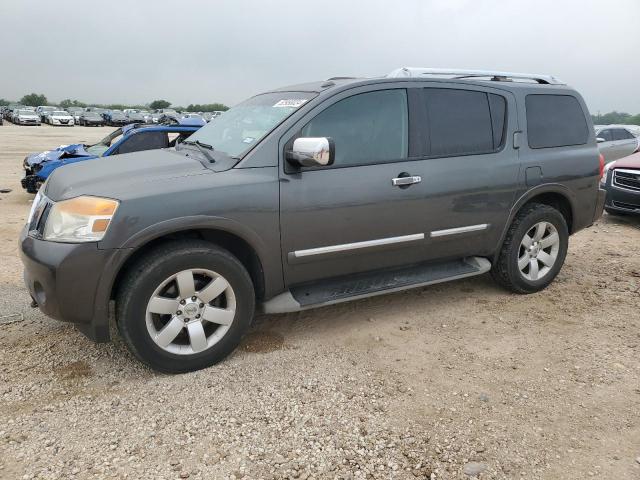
602,196
71,282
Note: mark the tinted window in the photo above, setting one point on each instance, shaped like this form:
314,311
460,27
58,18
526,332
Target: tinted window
607,135
621,134
463,122
366,128
555,121
144,141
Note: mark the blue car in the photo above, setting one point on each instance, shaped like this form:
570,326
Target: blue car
130,138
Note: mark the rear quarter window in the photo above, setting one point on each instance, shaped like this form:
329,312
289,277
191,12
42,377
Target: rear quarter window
555,121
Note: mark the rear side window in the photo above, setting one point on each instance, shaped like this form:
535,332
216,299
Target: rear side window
366,128
464,122
621,134
555,121
144,141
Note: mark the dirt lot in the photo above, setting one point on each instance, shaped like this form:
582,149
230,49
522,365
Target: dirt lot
428,383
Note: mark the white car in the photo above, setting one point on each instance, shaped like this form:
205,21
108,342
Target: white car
26,117
60,117
616,141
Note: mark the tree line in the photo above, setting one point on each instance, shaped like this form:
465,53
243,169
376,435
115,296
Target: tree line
36,99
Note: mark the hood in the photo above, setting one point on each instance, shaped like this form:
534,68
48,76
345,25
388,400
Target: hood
121,175
76,150
632,161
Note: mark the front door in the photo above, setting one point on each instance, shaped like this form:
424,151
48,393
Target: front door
359,214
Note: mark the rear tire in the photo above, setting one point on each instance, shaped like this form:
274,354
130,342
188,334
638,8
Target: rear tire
161,309
533,251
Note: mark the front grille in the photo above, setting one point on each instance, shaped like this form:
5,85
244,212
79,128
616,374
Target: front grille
626,206
627,179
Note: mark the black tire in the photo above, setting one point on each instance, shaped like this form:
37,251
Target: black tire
505,269
149,272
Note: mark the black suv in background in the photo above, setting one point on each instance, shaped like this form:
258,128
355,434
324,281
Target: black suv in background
311,195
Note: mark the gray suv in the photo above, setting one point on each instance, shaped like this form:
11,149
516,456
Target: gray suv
311,195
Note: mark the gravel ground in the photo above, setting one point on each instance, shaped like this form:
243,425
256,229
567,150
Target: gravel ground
443,382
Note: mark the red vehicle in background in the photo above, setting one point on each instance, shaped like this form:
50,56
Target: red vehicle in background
621,180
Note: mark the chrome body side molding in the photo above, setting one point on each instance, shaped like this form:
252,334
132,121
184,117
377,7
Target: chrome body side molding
357,245
458,230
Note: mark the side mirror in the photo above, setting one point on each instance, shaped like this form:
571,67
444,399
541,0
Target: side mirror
312,152
600,140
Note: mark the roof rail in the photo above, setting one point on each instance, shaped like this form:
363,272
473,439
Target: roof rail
462,74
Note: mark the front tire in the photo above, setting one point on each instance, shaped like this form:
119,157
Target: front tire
185,306
533,251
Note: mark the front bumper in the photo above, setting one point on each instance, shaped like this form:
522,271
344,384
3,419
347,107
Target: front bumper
622,200
71,282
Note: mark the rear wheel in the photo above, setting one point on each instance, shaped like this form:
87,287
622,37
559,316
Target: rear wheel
185,306
534,249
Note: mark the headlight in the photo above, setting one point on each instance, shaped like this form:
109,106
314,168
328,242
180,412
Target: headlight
605,173
80,219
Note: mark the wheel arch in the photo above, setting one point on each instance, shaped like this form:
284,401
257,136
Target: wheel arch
231,241
557,196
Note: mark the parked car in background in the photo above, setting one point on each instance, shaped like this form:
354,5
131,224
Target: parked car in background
146,116
114,118
91,119
134,117
130,138
312,195
196,116
622,183
616,142
76,114
155,117
25,117
43,110
59,118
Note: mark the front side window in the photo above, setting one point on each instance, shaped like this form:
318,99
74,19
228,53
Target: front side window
366,128
464,122
606,135
137,142
555,121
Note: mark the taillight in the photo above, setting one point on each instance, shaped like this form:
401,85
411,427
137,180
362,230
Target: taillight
601,166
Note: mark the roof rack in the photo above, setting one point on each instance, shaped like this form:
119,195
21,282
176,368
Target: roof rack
462,74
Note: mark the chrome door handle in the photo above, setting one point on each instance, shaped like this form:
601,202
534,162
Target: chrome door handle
402,181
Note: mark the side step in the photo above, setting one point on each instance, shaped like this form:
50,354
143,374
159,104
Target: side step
343,289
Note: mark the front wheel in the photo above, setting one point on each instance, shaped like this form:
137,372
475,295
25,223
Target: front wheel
185,306
534,249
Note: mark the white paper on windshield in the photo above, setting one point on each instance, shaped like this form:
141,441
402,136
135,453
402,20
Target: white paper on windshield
291,103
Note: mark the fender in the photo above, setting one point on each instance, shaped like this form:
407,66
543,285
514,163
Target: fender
533,192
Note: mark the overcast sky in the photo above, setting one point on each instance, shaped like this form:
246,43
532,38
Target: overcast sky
198,51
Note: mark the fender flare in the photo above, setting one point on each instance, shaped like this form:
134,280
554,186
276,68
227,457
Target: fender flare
532,193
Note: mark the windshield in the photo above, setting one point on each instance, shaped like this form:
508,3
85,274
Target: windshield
58,113
117,115
243,126
25,112
104,144
91,115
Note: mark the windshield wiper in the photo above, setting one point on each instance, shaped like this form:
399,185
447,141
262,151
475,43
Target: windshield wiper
203,147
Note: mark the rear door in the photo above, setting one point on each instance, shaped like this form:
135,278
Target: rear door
625,143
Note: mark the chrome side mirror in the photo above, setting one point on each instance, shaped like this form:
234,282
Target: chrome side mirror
312,152
600,140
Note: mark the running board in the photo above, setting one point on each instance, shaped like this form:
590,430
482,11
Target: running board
353,287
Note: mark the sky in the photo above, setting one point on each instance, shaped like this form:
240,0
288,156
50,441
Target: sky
199,51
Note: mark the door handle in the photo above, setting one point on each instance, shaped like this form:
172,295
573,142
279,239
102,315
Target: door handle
405,181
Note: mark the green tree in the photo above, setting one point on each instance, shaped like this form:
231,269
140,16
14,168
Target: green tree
158,104
34,100
67,102
4,102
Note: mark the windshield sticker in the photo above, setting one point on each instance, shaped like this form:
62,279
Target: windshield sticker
291,103
248,140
